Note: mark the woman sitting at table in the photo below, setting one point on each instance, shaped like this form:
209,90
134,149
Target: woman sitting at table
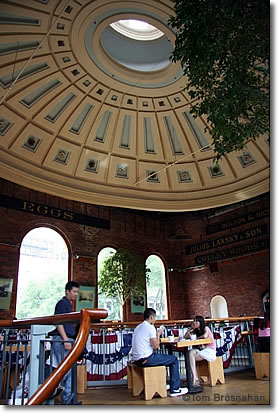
208,351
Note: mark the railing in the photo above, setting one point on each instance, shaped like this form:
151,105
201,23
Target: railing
85,317
14,362
108,347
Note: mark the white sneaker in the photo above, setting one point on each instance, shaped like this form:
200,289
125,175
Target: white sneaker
167,386
180,392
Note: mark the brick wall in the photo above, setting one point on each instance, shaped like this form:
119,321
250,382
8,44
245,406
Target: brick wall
241,281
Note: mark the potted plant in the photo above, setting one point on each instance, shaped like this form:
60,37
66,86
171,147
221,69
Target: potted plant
122,274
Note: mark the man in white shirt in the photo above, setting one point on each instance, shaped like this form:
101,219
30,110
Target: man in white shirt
145,341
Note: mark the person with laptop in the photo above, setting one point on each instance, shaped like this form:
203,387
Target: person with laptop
145,342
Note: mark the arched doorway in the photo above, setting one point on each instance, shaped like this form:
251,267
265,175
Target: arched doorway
111,304
156,288
218,307
42,272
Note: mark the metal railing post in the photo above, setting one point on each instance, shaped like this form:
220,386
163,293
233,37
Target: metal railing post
250,348
38,333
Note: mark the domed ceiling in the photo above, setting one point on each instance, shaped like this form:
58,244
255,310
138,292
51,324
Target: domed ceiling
92,115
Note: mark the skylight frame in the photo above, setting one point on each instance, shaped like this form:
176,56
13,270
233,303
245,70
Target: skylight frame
124,27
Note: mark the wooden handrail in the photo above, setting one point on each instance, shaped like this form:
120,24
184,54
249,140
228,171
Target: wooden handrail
47,388
86,316
120,324
52,319
75,316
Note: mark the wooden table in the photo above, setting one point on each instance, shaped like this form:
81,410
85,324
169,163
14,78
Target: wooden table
184,345
248,333
14,348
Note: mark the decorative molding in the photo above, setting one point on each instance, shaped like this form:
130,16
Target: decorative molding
4,125
173,137
34,177
62,156
6,80
81,119
19,46
149,140
184,176
37,94
246,159
122,171
54,114
198,135
32,143
9,18
215,171
102,129
152,175
92,165
125,134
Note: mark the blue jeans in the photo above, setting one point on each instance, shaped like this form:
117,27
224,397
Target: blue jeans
156,359
60,354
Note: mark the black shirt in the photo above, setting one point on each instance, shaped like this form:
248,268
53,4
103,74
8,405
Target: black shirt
64,306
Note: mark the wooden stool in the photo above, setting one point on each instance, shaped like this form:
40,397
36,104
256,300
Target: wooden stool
262,365
150,379
212,369
81,378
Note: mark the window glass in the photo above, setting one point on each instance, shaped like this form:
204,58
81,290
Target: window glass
137,29
156,288
111,304
42,273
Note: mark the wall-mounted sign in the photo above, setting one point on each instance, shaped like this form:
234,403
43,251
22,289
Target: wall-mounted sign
86,297
243,219
6,288
227,239
52,212
138,304
233,252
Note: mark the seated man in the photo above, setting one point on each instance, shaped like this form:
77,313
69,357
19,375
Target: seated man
145,341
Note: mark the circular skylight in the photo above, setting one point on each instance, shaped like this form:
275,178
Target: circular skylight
137,29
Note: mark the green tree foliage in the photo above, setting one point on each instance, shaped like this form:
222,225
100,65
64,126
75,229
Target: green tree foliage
112,304
156,293
223,47
156,274
122,274
39,298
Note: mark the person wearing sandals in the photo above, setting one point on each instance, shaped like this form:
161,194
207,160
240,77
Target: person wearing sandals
207,352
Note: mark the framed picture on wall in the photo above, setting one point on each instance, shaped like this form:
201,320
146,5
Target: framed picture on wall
86,297
6,288
138,304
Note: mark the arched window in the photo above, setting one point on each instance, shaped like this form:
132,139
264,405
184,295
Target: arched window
42,273
156,288
111,304
218,307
